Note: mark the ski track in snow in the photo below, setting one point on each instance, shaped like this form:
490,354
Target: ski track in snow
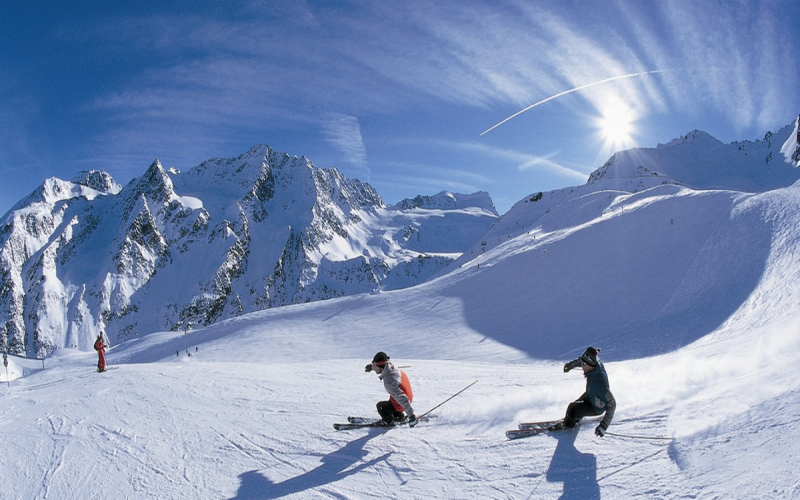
214,428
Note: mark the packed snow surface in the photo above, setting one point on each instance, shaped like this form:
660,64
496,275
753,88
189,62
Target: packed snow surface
248,418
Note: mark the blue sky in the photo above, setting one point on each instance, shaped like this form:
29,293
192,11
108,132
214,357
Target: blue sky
394,93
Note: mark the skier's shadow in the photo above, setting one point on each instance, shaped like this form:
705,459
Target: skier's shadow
254,486
578,471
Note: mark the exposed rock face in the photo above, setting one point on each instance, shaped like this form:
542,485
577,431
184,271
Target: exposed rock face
175,250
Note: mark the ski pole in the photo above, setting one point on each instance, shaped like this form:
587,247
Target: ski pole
448,399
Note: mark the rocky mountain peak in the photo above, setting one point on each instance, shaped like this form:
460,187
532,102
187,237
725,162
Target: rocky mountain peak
155,184
99,180
449,200
174,250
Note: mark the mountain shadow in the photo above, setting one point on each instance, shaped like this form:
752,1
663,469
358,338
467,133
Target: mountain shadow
640,283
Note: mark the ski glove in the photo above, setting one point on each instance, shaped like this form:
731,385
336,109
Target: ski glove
368,368
412,420
600,430
572,364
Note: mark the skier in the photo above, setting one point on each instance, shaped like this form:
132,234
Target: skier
398,386
100,347
597,399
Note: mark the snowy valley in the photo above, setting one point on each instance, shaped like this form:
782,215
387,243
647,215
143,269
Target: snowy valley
679,261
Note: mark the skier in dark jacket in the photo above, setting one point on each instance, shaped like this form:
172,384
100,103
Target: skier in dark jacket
398,386
597,399
100,347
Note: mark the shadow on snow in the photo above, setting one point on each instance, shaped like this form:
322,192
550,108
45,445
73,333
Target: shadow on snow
638,285
578,471
335,466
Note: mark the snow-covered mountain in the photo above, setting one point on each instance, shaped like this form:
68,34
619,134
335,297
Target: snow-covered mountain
173,251
691,293
699,161
691,226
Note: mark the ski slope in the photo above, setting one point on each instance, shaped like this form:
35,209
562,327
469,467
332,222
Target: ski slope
699,327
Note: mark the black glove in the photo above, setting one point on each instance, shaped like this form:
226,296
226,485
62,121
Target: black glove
566,368
600,430
572,364
412,420
368,368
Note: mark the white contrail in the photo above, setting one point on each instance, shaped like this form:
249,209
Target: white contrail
631,75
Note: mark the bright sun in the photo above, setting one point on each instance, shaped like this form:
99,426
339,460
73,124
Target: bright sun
616,125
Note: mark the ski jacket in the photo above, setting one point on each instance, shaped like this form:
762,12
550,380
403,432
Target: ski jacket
98,345
398,386
598,393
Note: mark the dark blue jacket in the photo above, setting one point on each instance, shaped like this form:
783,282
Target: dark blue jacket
598,393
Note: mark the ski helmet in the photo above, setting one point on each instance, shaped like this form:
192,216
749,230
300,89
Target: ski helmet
589,356
380,359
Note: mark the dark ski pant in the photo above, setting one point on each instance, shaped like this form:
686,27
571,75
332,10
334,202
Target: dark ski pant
577,410
388,413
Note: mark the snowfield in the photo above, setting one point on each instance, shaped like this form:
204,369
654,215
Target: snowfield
692,295
237,421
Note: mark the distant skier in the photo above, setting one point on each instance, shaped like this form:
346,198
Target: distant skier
597,399
100,347
398,386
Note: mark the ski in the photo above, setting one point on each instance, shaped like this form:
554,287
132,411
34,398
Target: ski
522,433
370,423
349,425
361,420
527,429
538,425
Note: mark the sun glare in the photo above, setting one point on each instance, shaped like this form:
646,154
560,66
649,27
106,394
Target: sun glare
616,125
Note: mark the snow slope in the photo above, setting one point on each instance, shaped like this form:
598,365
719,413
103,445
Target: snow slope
691,293
225,423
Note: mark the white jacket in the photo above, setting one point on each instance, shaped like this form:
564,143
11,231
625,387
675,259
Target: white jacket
392,378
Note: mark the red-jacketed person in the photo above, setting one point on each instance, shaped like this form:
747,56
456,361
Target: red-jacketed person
100,347
398,386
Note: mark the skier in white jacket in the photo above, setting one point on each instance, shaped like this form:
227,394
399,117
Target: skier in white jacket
398,386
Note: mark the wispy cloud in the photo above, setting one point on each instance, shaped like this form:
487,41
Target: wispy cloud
206,77
369,57
414,185
433,173
344,133
523,161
